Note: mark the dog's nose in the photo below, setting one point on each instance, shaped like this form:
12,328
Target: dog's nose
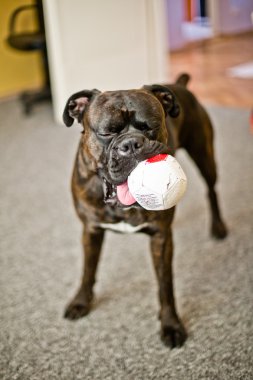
131,145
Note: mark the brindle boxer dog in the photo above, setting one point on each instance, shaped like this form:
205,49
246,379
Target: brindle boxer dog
120,129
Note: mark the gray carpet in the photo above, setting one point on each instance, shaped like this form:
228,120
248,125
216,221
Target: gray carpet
41,264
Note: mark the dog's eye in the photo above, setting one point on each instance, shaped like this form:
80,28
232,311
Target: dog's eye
142,126
105,134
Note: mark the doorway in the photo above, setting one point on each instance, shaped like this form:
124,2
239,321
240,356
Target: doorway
197,21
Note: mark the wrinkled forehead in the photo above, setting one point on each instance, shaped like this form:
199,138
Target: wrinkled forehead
120,107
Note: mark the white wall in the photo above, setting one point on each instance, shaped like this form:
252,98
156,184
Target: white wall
175,18
104,44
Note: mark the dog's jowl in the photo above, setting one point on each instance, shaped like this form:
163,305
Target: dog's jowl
120,129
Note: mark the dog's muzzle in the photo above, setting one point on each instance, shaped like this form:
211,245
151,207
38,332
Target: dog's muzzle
127,151
124,154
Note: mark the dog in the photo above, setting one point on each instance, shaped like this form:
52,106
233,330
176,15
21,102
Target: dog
120,129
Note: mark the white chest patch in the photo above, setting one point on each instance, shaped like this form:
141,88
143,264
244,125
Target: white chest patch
123,227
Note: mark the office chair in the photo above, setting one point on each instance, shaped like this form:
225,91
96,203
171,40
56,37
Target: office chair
31,41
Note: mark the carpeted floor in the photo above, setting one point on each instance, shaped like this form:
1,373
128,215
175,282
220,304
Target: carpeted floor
41,264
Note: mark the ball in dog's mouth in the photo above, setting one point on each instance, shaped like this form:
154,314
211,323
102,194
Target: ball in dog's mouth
157,183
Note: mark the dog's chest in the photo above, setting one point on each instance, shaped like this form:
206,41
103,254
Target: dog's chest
123,227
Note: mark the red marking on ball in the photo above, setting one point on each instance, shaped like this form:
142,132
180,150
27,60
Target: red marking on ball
157,158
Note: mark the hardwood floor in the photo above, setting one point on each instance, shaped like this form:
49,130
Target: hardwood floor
207,63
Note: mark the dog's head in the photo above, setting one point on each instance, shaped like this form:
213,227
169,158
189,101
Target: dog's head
121,128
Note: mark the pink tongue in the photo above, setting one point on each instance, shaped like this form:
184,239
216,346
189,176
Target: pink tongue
124,195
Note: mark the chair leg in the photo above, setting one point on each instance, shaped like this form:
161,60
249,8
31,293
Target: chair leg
30,98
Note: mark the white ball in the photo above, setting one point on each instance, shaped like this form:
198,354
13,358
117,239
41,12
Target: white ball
158,183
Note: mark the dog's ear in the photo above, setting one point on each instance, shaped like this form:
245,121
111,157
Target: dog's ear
76,105
166,97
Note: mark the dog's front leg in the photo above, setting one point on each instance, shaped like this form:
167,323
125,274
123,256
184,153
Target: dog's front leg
172,331
81,303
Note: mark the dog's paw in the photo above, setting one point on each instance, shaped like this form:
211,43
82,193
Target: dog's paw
173,336
76,309
219,230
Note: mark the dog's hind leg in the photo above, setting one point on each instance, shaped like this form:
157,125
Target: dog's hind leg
81,303
201,150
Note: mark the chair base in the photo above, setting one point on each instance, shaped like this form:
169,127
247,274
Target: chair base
30,98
